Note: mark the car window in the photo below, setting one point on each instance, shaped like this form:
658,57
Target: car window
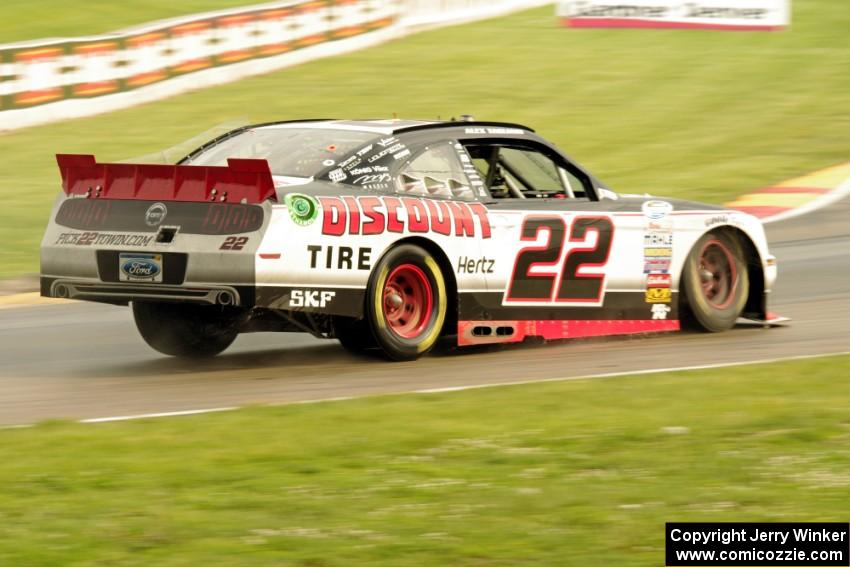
289,151
436,172
522,173
533,170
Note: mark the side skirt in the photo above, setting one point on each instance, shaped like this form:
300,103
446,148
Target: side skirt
491,332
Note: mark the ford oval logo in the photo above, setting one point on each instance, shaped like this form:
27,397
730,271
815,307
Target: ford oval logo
138,268
155,214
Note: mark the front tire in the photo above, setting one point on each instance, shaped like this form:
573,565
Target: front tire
715,282
185,330
406,302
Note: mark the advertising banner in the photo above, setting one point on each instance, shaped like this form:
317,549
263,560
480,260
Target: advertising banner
741,15
37,73
42,81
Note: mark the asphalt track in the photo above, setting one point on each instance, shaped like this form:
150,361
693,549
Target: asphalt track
85,361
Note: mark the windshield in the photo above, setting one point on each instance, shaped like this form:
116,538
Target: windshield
293,152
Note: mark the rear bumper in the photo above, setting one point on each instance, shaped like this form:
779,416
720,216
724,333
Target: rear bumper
123,293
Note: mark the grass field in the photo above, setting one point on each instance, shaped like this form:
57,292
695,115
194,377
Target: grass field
24,19
704,115
569,473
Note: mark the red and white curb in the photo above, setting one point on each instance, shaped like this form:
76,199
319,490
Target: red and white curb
796,196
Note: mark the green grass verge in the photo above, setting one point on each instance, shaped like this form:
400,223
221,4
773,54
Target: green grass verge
569,473
703,115
27,19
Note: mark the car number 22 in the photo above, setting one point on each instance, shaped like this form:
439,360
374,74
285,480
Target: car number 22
543,274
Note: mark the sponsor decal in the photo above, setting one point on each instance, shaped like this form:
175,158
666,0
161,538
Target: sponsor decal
480,130
705,14
661,265
658,280
656,210
374,181
372,178
466,265
378,215
337,175
303,209
665,225
140,267
660,311
596,10
717,219
658,252
372,169
658,295
394,149
402,154
658,239
352,161
658,288
310,298
339,257
155,214
101,239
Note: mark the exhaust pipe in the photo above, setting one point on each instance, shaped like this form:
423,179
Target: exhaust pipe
225,299
61,291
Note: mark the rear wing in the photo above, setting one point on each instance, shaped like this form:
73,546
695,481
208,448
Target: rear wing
241,181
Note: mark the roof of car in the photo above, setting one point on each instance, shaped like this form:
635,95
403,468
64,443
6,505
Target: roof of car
388,126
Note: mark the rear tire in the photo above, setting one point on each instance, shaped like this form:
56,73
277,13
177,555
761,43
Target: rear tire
406,302
715,283
186,330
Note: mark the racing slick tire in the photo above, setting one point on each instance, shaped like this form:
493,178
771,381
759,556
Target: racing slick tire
185,330
715,283
406,302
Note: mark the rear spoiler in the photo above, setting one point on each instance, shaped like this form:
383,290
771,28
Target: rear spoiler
243,180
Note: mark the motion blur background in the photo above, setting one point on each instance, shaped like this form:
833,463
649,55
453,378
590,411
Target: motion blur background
566,473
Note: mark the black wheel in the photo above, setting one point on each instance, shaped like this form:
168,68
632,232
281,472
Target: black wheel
354,334
185,330
715,282
406,302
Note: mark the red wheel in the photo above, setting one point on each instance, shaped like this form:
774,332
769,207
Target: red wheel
718,274
714,282
406,302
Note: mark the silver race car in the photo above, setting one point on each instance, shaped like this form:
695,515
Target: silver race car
387,234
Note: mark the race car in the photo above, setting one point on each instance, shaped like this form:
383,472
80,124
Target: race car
387,235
